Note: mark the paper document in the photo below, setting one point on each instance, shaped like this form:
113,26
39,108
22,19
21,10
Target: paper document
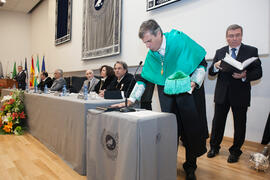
144,113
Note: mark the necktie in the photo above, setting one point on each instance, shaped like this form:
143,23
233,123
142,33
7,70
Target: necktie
88,86
233,53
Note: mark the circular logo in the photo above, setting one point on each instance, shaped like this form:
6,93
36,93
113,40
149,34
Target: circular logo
98,4
110,142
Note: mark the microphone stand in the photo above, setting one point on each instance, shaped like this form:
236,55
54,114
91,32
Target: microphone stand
126,108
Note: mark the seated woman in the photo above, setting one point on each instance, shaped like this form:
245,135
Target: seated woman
90,82
107,76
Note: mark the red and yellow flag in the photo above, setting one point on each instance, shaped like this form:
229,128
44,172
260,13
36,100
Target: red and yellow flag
32,74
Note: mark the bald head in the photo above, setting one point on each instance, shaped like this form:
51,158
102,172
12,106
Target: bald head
89,74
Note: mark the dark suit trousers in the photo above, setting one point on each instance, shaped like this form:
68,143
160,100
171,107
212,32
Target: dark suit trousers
184,108
218,126
266,134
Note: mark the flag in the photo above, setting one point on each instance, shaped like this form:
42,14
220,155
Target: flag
14,73
26,71
1,70
32,73
43,65
37,73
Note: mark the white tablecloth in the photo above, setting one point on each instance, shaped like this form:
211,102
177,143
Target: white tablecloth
60,124
131,146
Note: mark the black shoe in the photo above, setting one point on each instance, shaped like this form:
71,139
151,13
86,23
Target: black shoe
212,153
232,158
190,175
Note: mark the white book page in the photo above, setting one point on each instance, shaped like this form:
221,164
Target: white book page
248,61
233,62
238,64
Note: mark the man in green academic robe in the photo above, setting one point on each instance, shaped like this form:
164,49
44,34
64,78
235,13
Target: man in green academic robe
176,64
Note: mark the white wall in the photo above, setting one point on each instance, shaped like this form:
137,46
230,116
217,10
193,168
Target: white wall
204,20
14,39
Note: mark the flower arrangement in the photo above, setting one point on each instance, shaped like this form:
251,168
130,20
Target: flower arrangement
12,115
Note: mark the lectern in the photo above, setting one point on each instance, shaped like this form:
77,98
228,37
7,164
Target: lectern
7,83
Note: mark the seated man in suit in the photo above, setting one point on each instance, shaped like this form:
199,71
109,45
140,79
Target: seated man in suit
119,87
45,80
20,78
232,91
90,82
59,81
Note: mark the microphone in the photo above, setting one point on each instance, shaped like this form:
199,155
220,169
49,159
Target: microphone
126,108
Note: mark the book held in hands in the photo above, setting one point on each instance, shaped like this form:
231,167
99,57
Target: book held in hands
228,64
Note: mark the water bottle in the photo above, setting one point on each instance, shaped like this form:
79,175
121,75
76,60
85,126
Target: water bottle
46,89
26,88
64,91
85,92
35,89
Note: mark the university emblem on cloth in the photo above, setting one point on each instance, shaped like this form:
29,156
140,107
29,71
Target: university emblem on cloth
109,143
98,4
98,9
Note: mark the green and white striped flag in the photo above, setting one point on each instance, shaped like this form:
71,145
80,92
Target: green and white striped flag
37,71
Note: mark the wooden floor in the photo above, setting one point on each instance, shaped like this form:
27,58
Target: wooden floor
24,157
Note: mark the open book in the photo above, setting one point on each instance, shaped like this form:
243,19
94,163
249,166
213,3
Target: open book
228,64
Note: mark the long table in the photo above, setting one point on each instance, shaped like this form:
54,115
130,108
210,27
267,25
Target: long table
135,146
60,124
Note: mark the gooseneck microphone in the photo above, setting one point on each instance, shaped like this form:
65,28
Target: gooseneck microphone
126,108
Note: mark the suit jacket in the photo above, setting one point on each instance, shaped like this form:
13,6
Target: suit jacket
20,78
58,84
47,82
237,91
104,84
113,91
92,85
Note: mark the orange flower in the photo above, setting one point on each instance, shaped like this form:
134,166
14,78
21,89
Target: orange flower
7,128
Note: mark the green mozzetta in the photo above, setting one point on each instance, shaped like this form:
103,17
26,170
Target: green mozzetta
182,55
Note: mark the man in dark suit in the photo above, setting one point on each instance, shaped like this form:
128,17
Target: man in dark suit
59,81
45,80
119,87
20,78
232,91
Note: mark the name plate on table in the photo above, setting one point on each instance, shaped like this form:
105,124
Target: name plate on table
80,96
56,93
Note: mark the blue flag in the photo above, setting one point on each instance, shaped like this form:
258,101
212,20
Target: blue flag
26,71
43,65
25,65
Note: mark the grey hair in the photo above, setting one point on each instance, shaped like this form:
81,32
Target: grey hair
60,72
90,70
125,66
234,27
149,26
